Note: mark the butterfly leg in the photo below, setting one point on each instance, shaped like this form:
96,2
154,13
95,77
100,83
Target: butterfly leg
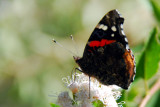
74,71
78,69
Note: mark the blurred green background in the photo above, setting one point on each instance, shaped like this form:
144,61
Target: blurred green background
32,67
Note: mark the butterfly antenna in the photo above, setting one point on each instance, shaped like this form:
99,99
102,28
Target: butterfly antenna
53,40
75,45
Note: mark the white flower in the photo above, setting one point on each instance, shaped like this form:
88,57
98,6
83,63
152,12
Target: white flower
84,96
64,100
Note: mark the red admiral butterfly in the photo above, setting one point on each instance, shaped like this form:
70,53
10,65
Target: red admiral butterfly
107,56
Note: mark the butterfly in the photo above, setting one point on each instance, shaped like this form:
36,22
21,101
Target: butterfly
107,56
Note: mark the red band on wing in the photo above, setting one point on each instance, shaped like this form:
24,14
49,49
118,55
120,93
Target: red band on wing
101,43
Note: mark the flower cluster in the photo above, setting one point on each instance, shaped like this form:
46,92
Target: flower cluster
86,91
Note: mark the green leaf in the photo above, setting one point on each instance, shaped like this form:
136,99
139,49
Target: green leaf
147,65
54,105
152,56
98,103
140,67
156,9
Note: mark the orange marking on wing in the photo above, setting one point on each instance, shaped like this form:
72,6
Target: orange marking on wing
129,60
101,43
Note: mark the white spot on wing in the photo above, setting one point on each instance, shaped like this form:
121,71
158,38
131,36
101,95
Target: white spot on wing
118,12
121,26
125,39
134,77
135,67
101,26
122,32
112,35
113,28
127,46
105,27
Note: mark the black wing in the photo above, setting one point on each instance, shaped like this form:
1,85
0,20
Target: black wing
107,56
110,27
